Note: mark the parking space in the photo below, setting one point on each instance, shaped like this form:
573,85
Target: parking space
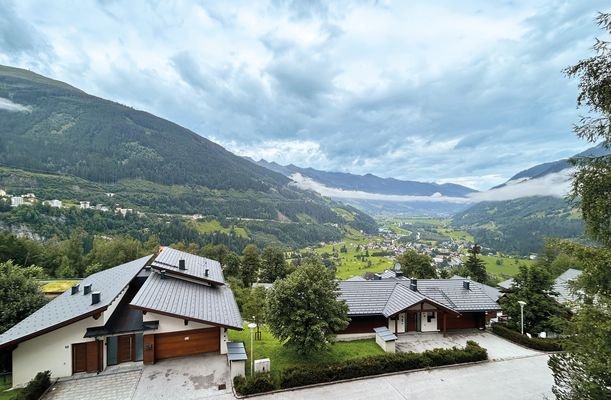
110,386
498,348
194,377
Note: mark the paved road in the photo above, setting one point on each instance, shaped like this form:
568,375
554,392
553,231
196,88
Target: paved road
515,379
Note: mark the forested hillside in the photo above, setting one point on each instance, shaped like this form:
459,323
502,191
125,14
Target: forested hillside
61,143
519,226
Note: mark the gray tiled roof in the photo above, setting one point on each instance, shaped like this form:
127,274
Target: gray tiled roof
196,266
506,284
385,334
67,307
189,300
387,297
492,292
562,285
401,298
236,351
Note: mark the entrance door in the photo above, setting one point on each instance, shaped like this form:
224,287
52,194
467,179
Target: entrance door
428,321
401,322
87,357
125,348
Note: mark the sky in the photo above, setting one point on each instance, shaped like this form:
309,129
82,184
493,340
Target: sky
468,92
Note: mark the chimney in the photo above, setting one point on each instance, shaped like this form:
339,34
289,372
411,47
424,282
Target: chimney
75,289
181,265
399,274
465,284
95,298
162,274
87,289
413,284
206,272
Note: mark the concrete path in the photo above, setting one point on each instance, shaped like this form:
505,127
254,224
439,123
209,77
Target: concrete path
115,386
498,348
516,379
185,378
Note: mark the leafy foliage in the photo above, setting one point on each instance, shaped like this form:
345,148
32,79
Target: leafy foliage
273,265
19,293
414,265
303,308
251,263
533,343
582,372
36,387
475,266
534,286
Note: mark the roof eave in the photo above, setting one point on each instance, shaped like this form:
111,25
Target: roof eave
161,312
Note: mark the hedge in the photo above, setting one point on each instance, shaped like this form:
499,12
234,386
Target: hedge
355,368
533,343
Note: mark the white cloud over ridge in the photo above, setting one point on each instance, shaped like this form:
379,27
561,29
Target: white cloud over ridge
304,182
556,184
8,105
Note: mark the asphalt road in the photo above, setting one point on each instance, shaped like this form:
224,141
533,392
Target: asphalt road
520,379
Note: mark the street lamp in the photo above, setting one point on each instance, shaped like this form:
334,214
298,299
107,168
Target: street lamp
252,327
522,304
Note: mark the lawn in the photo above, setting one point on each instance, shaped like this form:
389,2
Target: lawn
7,395
282,357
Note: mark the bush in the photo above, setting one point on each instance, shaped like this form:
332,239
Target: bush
36,387
355,368
533,343
259,383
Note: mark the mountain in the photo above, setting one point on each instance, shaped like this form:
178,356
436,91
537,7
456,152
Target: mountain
63,143
531,205
376,195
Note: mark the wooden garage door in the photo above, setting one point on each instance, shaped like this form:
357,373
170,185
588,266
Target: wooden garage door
87,357
465,321
184,343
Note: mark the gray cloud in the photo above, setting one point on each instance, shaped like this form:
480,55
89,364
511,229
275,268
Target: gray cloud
404,90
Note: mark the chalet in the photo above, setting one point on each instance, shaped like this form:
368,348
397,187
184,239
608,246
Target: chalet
167,305
415,305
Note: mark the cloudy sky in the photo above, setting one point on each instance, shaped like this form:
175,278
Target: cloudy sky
468,92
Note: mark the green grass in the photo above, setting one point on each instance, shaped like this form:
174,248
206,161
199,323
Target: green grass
457,235
509,267
8,395
213,225
282,357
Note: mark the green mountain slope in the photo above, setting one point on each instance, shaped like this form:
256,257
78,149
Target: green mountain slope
60,142
519,226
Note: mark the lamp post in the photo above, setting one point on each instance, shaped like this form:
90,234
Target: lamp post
522,304
252,327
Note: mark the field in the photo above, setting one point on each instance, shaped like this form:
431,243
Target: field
213,225
282,357
508,266
348,265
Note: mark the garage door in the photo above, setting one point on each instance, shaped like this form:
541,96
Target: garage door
464,321
184,343
86,357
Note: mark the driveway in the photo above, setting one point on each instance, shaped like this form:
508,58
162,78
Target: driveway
498,348
194,377
109,386
517,379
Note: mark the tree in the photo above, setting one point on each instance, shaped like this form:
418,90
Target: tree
254,305
414,265
19,293
303,310
534,286
232,264
582,371
273,265
250,265
475,266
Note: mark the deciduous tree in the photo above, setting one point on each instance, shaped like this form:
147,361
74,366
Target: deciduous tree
414,265
19,293
303,310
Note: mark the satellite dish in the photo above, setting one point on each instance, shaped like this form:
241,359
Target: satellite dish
397,267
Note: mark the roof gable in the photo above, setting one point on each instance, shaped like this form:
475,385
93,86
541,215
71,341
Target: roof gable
67,307
196,267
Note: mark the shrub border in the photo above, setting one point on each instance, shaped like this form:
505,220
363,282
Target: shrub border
545,345
373,375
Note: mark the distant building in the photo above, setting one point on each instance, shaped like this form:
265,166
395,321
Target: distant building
84,205
29,196
16,201
2,192
110,195
53,203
